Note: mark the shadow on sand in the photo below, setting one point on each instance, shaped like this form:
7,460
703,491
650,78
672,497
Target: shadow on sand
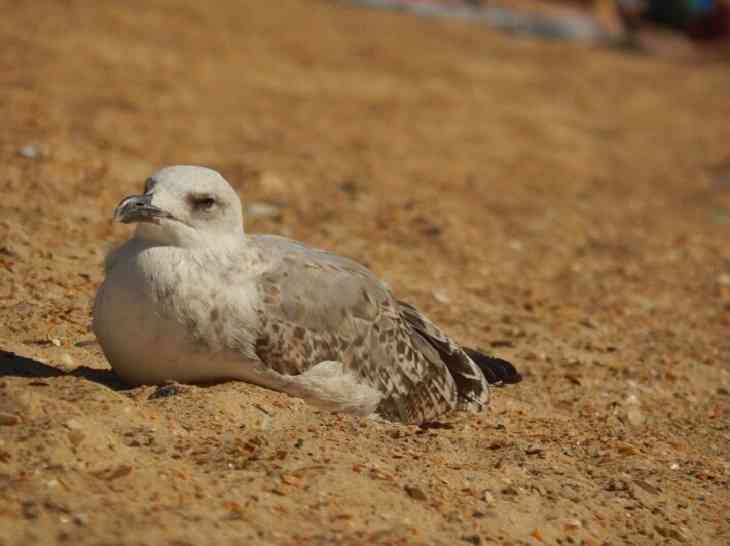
12,365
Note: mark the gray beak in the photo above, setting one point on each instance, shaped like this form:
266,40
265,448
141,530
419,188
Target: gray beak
138,208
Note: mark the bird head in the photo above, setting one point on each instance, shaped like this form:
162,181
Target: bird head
185,206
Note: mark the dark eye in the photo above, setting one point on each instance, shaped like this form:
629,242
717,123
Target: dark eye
203,202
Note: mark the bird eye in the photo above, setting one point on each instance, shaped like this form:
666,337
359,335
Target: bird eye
203,202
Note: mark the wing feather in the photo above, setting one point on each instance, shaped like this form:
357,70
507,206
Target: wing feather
317,306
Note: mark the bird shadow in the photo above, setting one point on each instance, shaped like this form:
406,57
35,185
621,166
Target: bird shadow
13,365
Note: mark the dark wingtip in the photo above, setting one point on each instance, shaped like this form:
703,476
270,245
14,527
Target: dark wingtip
496,370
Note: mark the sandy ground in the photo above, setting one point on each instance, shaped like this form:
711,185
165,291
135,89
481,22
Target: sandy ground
565,207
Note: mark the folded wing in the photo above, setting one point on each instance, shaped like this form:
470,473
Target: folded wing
317,307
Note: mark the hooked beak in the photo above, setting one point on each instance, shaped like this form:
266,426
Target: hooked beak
138,208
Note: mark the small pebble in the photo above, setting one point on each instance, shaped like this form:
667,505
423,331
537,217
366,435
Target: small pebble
350,187
30,151
488,498
589,323
165,391
415,493
441,296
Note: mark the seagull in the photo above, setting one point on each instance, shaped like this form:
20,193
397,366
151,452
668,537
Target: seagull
192,298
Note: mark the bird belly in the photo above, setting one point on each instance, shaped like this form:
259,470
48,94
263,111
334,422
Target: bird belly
150,334
141,346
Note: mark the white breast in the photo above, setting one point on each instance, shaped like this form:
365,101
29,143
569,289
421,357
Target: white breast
160,314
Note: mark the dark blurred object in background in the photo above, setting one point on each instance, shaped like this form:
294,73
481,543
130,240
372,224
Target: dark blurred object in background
699,19
688,30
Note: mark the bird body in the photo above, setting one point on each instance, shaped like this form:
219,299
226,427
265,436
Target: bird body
191,298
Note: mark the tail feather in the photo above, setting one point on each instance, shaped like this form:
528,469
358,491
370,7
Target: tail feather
462,362
471,386
496,370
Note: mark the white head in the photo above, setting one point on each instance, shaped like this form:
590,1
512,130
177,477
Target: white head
184,206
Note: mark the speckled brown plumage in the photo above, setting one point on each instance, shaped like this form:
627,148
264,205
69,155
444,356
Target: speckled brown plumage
319,307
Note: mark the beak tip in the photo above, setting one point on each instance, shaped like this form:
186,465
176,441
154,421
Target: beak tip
136,208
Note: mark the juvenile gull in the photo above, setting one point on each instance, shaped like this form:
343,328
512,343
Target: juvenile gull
191,298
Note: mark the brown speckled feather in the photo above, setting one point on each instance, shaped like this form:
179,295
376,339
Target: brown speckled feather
317,307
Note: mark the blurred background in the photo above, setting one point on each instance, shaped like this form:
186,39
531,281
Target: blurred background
655,26
548,180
